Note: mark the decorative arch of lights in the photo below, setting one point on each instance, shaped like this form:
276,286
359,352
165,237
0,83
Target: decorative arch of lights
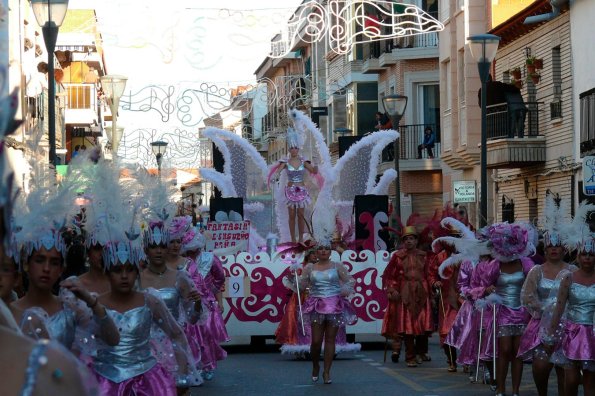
347,22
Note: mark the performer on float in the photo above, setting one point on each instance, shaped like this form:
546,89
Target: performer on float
502,280
289,333
205,267
297,196
568,325
536,294
406,283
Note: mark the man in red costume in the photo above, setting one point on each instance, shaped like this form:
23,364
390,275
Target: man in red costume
406,282
448,300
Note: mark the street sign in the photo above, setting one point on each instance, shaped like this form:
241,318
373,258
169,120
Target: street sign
589,175
464,191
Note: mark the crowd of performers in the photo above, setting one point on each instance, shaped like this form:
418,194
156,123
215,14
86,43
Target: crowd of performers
501,301
145,316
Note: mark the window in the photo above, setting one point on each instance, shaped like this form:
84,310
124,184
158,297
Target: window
556,105
446,76
507,209
587,117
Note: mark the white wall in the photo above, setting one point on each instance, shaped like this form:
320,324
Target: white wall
582,15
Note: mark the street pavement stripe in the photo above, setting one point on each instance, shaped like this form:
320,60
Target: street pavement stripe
404,380
367,360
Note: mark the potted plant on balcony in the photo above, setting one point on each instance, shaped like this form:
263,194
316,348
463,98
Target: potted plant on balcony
530,64
534,77
516,73
538,63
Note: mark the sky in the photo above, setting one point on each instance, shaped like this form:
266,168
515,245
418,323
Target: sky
169,50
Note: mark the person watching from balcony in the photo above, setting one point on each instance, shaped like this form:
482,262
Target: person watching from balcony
428,143
372,32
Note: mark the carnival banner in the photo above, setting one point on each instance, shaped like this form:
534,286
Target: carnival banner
228,235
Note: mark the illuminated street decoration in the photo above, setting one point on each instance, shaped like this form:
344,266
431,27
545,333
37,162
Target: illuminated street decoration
347,22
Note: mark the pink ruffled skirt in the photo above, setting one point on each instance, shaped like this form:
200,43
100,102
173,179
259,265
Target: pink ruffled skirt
335,309
156,381
510,322
578,345
213,332
464,334
297,196
530,347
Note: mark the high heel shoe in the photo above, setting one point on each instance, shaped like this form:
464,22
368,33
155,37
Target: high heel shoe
327,379
315,372
314,379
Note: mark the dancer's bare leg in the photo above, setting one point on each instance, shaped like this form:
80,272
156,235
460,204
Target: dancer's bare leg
330,336
316,347
517,365
301,223
572,379
541,375
292,213
504,357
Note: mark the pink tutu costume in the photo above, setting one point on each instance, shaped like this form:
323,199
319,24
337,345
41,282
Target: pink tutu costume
511,317
212,331
465,330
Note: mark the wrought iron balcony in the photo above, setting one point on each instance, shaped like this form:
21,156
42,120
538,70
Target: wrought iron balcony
411,137
509,120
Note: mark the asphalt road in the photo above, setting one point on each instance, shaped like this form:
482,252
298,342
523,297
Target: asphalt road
264,371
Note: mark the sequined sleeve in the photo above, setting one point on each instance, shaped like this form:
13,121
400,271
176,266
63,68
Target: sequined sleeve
529,297
188,310
347,281
303,281
218,275
464,278
33,323
172,330
552,318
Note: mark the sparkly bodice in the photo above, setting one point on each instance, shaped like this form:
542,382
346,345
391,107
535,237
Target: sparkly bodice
61,327
581,304
295,175
509,287
132,356
325,283
544,288
171,298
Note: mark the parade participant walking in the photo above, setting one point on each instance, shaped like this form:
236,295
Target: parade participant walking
406,280
448,300
536,294
207,272
326,308
568,325
297,196
294,338
95,280
503,279
131,367
177,229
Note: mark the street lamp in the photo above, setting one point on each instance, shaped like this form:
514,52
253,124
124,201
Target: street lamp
483,49
113,87
159,148
49,15
395,106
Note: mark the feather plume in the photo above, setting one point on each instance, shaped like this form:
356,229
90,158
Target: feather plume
381,188
575,233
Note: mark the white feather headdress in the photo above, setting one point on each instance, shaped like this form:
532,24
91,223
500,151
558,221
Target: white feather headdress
158,208
111,212
553,220
468,247
577,235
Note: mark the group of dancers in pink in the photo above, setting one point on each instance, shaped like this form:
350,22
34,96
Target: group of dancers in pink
145,319
515,307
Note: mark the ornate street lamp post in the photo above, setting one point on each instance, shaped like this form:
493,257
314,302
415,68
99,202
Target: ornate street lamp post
395,106
113,87
483,49
159,148
49,15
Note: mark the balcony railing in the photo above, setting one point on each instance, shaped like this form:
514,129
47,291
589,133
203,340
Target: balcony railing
509,120
411,137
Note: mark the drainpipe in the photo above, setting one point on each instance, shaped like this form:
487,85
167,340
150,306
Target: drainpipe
556,5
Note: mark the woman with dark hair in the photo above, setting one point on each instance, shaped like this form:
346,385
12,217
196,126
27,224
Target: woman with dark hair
326,309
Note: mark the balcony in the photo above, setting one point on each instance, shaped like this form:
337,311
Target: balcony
513,135
81,106
411,137
422,46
